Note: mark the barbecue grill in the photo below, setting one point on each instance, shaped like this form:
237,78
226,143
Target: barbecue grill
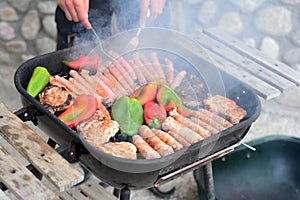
139,174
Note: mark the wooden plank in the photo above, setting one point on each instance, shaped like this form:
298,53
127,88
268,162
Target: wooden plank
31,146
254,54
89,190
246,64
19,180
3,196
262,88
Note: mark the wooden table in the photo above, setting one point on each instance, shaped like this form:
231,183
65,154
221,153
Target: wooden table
21,183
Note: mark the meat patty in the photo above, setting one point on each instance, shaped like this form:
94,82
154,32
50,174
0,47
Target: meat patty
56,98
119,149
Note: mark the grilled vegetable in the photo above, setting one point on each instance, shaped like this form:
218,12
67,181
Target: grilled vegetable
154,114
84,62
129,114
38,81
83,108
145,93
167,97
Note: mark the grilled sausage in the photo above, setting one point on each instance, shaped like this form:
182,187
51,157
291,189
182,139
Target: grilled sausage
178,79
140,76
186,122
157,144
169,71
99,90
147,74
146,62
169,140
158,67
125,73
144,148
170,124
179,139
208,127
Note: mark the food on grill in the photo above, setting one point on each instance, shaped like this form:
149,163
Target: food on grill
84,62
178,79
98,129
144,148
169,71
154,141
154,114
179,139
149,107
82,109
56,98
128,112
145,93
226,107
170,124
38,81
168,139
184,121
119,149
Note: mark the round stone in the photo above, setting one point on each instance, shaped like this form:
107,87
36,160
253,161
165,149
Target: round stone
49,25
16,46
274,20
6,31
269,47
47,7
207,12
231,23
45,45
8,14
31,25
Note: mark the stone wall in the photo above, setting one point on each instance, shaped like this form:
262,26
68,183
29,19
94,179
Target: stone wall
27,29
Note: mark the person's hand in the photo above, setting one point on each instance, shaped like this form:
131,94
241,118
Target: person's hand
76,10
155,7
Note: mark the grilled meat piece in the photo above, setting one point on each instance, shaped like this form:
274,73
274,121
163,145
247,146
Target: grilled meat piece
157,144
144,148
168,139
119,149
179,139
170,124
98,129
225,107
186,122
56,98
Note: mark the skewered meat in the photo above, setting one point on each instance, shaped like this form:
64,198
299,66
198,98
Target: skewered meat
169,140
56,98
157,144
144,148
119,149
170,124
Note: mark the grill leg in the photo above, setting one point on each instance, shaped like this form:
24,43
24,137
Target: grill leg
125,194
209,181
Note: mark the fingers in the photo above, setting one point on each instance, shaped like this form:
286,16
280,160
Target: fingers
156,8
143,12
76,10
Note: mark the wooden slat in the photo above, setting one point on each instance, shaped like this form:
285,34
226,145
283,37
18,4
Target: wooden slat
254,54
3,196
19,180
31,146
262,88
246,64
89,190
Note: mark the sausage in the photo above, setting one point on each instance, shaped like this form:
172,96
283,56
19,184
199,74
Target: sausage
216,118
149,66
158,67
170,124
125,73
99,90
142,67
157,144
178,79
144,148
186,122
169,140
169,71
114,81
140,76
179,139
208,127
120,78
68,84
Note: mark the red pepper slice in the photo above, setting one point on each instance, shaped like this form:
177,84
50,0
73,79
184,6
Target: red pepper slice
154,114
145,93
82,109
84,62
